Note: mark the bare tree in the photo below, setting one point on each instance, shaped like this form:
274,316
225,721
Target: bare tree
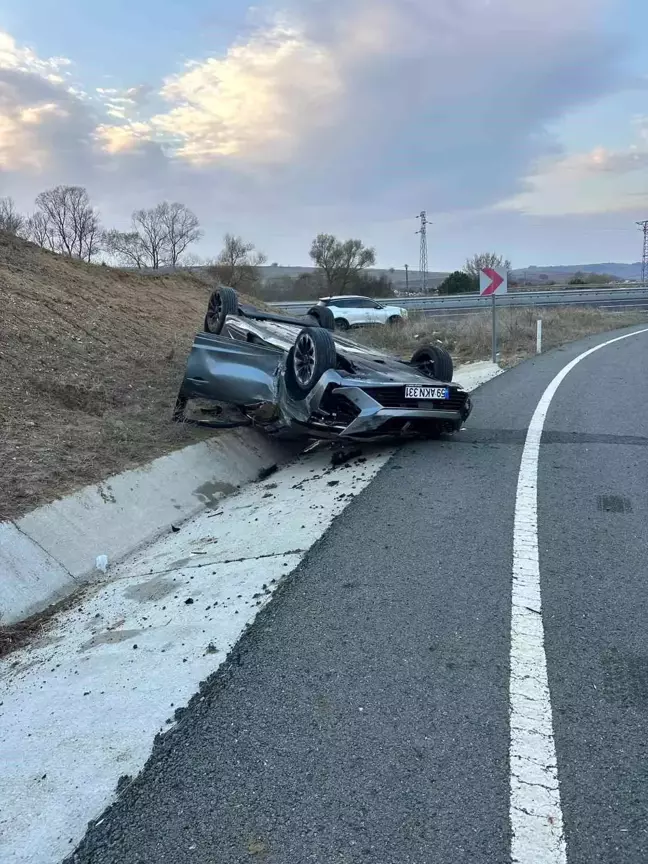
158,237
72,223
154,235
92,239
182,229
11,220
484,259
126,247
238,263
38,230
341,263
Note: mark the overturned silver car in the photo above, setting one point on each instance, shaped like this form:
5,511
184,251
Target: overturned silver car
293,375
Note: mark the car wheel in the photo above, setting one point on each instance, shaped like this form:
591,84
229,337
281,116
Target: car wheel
341,324
324,317
223,302
395,321
435,362
312,355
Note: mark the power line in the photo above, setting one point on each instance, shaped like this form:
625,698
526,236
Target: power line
644,261
423,261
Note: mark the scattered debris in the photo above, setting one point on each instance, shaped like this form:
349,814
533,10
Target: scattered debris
102,563
189,601
341,457
174,529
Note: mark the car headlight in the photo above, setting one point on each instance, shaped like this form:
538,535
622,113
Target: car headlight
404,313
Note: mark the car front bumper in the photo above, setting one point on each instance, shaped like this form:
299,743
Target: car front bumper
365,411
374,415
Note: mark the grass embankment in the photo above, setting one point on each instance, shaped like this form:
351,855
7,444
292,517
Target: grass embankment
91,360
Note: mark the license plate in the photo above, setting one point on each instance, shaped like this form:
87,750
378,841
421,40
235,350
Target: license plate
427,393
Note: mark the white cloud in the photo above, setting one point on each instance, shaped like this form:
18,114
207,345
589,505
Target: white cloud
251,104
438,98
20,147
39,108
350,109
600,180
14,56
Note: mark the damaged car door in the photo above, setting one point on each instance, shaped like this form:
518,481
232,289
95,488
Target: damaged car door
226,370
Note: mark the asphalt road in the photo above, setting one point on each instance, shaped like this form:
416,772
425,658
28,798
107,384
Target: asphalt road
364,717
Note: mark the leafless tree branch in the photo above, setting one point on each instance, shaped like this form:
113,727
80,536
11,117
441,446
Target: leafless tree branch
238,263
182,229
11,220
67,222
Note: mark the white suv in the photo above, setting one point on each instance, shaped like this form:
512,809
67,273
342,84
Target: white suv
361,311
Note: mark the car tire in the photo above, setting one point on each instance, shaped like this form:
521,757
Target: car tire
342,324
312,355
223,302
324,317
395,321
435,362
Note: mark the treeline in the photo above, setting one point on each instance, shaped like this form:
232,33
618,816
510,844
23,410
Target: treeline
64,221
340,268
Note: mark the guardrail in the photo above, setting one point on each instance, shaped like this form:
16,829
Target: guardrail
613,298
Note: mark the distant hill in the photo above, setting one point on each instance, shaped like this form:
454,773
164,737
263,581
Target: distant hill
533,274
563,272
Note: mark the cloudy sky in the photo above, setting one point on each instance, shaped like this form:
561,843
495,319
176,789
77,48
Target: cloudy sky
521,126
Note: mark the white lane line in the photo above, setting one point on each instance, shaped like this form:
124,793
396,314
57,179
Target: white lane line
535,811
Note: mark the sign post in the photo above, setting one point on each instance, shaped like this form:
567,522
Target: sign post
493,281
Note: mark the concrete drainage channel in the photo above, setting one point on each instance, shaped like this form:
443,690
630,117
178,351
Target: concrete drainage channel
80,707
50,552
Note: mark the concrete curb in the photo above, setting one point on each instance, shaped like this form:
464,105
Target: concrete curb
48,553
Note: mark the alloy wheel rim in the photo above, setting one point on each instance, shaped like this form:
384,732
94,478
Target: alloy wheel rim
304,360
427,367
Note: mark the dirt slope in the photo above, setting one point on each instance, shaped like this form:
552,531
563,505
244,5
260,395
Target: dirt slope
91,359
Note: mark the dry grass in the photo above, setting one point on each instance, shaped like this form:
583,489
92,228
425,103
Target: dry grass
91,360
468,337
